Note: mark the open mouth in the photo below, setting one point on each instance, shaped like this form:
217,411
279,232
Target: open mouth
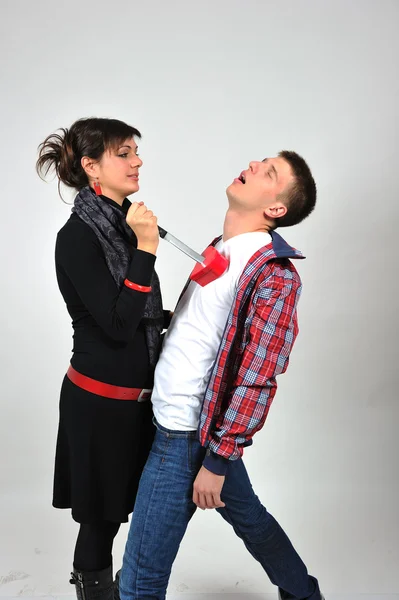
241,178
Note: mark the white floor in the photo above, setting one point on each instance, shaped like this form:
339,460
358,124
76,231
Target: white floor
237,596
36,545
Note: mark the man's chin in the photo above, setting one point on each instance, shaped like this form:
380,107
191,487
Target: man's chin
231,193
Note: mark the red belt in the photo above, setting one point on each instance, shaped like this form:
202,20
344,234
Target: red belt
115,392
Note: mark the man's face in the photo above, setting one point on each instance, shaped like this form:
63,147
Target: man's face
257,188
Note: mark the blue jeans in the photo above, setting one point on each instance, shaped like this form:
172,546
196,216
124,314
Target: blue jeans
164,508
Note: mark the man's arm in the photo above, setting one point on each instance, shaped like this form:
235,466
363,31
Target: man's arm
271,337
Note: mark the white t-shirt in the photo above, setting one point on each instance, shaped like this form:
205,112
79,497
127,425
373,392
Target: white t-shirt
194,335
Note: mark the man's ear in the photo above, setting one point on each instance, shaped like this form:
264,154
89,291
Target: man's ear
275,211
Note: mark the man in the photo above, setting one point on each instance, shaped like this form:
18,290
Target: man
215,382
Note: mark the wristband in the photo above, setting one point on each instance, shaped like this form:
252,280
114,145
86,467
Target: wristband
138,288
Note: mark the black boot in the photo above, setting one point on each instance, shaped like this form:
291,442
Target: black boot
93,585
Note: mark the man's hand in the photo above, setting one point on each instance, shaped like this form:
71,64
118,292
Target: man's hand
207,489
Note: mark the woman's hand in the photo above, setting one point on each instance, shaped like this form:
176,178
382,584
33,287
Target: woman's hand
145,225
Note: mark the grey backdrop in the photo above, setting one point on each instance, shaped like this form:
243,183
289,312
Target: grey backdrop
212,85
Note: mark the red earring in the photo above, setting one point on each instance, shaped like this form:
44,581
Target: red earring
97,188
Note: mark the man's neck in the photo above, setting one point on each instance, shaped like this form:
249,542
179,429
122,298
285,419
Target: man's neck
237,222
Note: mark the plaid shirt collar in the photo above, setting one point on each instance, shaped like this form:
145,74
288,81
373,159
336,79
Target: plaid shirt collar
278,248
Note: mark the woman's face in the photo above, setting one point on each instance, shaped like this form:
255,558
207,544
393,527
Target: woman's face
118,170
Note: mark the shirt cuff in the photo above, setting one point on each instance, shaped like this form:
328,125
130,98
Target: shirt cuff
215,463
141,268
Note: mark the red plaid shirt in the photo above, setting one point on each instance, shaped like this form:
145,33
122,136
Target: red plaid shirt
255,348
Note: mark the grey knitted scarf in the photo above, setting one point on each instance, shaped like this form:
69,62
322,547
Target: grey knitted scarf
118,242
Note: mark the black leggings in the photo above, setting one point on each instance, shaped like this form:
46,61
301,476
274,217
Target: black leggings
93,551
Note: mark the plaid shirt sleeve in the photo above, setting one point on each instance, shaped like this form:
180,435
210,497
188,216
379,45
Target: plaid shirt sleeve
272,334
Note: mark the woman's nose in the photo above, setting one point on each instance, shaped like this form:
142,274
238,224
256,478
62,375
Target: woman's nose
137,162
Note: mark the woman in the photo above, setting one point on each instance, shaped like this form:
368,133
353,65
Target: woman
105,256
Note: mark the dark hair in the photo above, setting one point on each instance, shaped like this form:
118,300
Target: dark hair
300,197
87,137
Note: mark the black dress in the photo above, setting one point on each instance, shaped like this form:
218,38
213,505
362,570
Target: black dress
102,443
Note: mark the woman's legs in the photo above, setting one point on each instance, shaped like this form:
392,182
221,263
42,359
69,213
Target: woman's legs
92,573
93,551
